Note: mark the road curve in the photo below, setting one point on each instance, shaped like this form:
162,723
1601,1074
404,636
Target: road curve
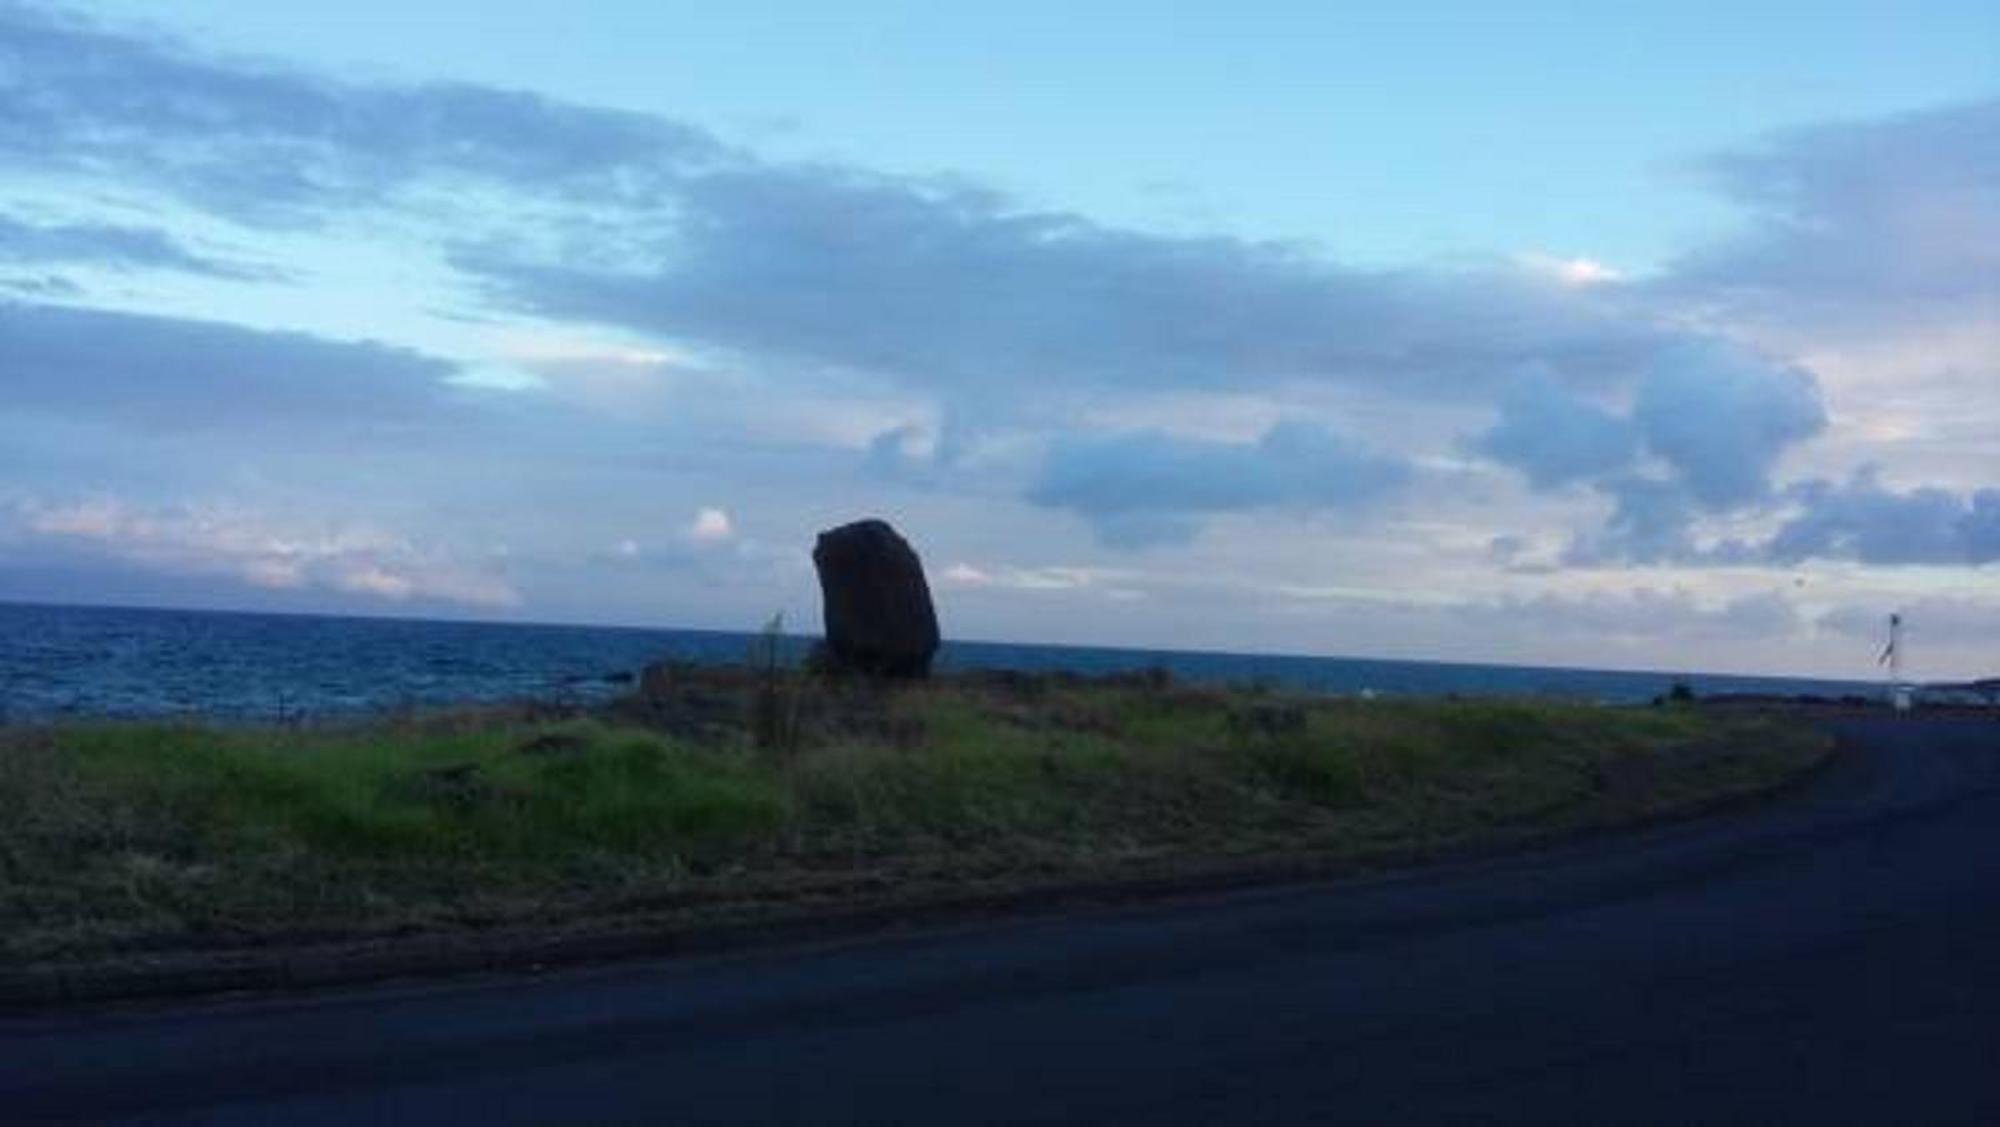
1832,959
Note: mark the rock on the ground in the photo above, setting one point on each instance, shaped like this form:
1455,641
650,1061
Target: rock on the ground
879,617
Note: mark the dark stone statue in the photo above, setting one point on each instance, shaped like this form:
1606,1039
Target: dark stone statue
879,617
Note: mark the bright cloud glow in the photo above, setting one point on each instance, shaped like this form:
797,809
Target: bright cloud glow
711,526
1579,272
965,575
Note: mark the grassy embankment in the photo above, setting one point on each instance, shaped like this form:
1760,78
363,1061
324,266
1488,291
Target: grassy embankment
120,838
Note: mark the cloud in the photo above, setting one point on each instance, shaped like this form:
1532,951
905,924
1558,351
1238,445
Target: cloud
265,144
1861,520
1716,419
965,575
1142,488
1554,436
1873,216
649,224
961,292
42,286
263,551
934,286
1721,417
164,373
1046,579
110,245
1578,271
1851,228
1864,521
1718,416
1651,522
920,454
711,526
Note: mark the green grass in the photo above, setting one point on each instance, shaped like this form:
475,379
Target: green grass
123,838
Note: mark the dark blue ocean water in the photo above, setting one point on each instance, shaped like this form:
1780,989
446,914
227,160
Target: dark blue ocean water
95,661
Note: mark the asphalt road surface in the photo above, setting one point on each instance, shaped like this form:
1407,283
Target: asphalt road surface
1832,959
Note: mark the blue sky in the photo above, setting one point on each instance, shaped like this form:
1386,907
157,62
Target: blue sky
1655,335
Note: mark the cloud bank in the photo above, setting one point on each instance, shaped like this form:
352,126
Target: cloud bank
260,550
1862,520
1145,488
166,373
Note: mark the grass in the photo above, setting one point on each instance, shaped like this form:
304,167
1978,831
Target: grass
124,838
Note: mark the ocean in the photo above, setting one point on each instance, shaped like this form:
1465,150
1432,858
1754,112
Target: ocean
63,661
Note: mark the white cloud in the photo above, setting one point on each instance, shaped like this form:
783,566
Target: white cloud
711,526
1578,272
965,575
1047,578
98,518
265,551
369,579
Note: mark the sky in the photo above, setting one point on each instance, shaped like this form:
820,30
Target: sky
1654,336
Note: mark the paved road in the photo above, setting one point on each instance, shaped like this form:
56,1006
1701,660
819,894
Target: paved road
1835,959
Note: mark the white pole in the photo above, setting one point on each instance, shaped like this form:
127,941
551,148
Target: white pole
1899,693
1895,649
